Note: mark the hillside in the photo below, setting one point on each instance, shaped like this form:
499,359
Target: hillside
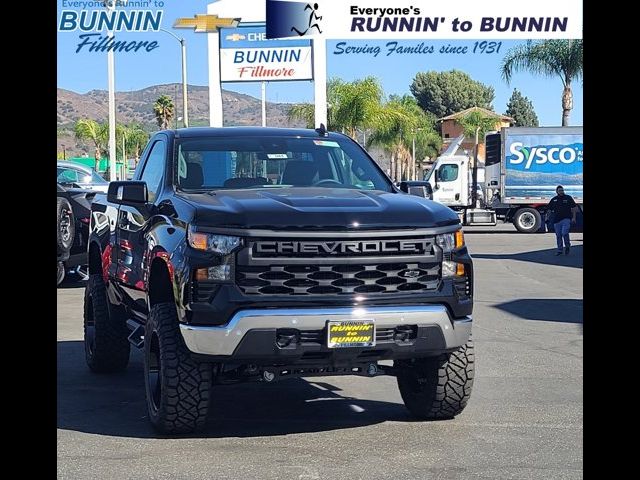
137,106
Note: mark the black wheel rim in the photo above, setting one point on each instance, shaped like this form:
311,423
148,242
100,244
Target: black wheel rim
154,384
527,220
65,225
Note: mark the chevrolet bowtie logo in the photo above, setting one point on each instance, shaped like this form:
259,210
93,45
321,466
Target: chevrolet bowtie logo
206,23
236,37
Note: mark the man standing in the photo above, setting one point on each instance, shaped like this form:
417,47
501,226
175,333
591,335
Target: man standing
564,210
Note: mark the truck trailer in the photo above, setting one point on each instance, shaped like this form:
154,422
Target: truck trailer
523,167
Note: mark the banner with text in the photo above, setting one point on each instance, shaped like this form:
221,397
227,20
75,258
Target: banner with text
455,19
246,55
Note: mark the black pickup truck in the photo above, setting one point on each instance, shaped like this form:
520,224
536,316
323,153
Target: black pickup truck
260,254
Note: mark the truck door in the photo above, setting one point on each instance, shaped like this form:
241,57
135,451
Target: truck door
493,165
133,225
450,186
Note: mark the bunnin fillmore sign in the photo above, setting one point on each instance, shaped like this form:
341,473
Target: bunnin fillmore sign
246,55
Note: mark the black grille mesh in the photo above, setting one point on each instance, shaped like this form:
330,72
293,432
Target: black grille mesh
337,279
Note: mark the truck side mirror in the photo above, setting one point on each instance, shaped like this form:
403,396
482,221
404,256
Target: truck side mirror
418,188
128,193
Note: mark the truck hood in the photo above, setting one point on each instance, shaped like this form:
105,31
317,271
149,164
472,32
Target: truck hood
316,208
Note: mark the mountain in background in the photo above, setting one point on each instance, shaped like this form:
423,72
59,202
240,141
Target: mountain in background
137,106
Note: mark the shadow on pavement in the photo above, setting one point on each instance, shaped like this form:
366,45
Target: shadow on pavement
546,309
547,257
72,284
115,404
485,230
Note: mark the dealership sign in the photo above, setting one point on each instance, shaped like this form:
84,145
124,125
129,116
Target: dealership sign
246,55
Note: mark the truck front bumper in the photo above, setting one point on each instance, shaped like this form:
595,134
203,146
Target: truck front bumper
251,335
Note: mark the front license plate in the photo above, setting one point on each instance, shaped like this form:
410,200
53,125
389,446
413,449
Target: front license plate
360,333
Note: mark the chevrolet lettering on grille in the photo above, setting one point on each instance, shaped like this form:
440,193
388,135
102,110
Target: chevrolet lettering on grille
342,247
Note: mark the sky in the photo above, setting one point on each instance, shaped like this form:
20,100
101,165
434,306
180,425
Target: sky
85,71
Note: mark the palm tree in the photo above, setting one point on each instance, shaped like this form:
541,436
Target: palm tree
351,106
393,129
306,111
96,133
357,105
135,138
164,111
400,122
477,124
548,58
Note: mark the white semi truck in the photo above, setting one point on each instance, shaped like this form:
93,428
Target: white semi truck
523,166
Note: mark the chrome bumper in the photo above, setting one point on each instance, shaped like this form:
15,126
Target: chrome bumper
223,340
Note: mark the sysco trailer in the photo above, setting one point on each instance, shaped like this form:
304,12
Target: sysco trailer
523,167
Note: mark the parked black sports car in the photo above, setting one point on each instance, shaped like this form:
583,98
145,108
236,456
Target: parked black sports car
73,214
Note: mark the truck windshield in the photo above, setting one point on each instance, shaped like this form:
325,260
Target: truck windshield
206,163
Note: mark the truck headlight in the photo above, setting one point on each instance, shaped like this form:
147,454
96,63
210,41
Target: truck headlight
217,273
449,242
211,242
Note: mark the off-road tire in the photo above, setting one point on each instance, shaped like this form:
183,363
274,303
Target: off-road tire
61,272
437,387
105,330
178,387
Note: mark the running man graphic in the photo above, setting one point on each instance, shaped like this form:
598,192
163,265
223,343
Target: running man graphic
312,17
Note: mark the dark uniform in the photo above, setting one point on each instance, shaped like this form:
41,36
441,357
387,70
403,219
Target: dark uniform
562,207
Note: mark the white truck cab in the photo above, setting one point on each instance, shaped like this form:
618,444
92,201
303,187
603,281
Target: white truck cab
449,180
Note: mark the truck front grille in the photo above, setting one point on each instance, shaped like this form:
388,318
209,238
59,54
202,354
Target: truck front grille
337,279
299,265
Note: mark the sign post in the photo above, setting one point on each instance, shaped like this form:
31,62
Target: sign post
264,104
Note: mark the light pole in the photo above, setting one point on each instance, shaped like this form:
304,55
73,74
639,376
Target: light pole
183,45
474,175
110,5
264,103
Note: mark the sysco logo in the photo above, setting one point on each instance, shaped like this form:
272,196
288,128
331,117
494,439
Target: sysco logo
540,155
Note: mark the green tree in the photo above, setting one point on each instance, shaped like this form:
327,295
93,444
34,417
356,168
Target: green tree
476,125
352,106
164,111
521,110
548,58
357,105
135,138
87,130
306,111
444,93
399,122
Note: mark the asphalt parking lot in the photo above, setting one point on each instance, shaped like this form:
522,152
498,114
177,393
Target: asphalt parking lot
524,419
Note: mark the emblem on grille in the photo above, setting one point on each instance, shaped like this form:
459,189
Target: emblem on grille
410,246
410,274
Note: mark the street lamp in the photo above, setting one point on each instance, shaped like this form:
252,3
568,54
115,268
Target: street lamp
110,5
183,45
474,172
